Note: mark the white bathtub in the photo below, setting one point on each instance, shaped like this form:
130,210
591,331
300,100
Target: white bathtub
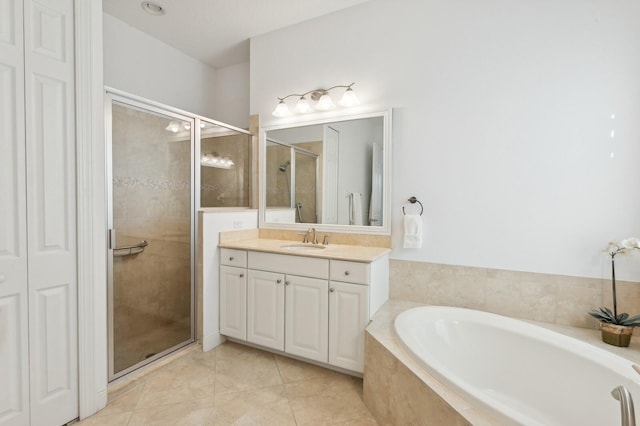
517,372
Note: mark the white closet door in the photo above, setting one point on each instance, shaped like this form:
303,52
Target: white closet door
51,210
14,355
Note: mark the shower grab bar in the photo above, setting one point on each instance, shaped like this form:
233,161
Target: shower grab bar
627,413
130,250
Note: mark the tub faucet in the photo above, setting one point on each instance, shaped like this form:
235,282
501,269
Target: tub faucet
627,414
311,231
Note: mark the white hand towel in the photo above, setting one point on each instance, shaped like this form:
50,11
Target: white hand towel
412,231
355,209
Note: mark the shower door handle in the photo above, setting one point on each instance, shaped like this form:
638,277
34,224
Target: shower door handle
111,239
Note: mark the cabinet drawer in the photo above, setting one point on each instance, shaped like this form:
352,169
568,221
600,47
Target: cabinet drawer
351,272
297,265
231,257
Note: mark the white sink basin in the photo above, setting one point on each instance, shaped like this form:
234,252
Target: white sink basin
303,247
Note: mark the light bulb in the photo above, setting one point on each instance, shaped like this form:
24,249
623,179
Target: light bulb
303,106
282,110
349,99
325,103
187,126
173,126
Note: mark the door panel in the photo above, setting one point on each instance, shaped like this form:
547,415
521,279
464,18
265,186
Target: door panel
265,309
151,292
233,302
307,310
14,355
348,317
51,219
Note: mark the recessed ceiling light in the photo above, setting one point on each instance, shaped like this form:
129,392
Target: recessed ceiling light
153,8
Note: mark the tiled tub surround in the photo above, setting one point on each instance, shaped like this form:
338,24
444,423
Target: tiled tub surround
398,391
556,299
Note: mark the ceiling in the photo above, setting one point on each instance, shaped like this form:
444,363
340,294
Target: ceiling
217,32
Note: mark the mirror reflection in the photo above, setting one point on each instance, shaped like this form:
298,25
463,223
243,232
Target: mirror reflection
329,173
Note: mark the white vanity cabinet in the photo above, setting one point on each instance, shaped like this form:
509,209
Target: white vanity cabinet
310,307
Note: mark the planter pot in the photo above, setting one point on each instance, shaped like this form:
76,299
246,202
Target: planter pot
616,335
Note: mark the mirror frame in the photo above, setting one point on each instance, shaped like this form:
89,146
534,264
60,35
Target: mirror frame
385,229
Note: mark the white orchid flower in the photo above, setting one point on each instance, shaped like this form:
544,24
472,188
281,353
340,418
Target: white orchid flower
612,248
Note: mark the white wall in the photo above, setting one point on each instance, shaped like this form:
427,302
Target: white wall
231,101
142,65
502,120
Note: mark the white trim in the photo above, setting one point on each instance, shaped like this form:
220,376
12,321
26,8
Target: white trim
385,229
164,108
91,220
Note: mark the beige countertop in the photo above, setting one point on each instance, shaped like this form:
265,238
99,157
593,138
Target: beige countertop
331,251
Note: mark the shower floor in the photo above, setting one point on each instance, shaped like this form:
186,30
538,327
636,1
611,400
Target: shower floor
138,336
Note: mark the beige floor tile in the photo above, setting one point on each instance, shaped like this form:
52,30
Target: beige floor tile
265,406
329,400
365,421
124,403
292,370
194,412
247,371
238,385
234,350
120,419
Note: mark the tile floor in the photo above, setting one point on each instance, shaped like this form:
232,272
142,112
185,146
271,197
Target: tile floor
238,385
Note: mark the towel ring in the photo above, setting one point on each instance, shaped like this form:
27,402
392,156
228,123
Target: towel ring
414,200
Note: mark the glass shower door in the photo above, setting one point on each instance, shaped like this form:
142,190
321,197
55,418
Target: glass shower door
151,236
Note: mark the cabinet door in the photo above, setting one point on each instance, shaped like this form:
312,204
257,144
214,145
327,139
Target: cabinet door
233,302
265,309
348,317
306,330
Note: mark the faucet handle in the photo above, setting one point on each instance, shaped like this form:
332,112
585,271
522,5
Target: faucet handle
325,240
305,239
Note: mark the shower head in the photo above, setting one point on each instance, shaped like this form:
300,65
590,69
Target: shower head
283,166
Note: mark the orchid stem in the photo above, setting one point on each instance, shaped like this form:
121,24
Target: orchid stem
613,282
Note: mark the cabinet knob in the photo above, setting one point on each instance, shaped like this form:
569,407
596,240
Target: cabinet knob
332,290
346,272
287,282
231,259
241,275
278,281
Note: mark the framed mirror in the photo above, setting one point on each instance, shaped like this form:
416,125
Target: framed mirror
332,174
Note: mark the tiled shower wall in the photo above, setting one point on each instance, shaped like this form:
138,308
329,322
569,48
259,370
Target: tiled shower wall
557,299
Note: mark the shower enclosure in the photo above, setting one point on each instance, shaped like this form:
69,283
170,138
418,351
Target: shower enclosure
163,165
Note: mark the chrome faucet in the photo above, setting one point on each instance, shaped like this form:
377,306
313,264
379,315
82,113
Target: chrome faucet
311,231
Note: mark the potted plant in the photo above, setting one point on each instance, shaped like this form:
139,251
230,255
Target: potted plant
617,328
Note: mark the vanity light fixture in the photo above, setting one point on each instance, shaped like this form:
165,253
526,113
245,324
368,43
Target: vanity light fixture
322,99
214,160
173,126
